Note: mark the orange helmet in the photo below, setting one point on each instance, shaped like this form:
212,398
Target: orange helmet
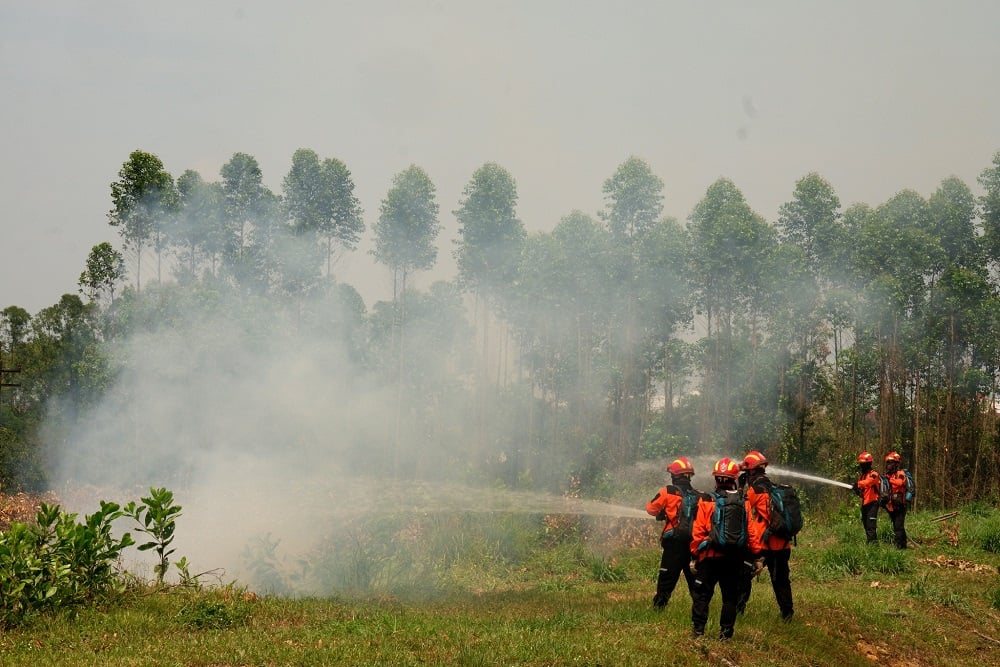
892,456
753,460
726,468
865,457
680,466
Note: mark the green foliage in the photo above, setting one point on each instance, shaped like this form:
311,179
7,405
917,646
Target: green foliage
925,588
217,610
995,598
987,534
607,570
57,562
157,517
856,559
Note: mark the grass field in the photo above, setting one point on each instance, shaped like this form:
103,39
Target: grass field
575,600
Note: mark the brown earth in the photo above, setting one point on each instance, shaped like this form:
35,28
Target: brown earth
23,507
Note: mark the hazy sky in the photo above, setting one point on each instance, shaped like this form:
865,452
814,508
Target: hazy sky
875,96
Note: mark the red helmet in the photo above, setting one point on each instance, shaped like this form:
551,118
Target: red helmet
680,466
753,460
865,457
726,468
892,456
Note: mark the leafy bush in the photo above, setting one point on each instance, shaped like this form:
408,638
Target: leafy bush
57,562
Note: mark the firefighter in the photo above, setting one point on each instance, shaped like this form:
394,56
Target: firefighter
896,492
674,505
867,488
776,551
712,562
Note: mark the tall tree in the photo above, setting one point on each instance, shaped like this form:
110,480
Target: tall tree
105,269
199,228
143,197
320,201
731,250
404,241
633,198
249,209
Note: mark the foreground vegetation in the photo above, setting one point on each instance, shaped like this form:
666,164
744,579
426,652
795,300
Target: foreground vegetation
561,593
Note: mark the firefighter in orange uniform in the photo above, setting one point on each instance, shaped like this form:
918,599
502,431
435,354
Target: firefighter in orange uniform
867,488
895,494
775,550
714,564
674,505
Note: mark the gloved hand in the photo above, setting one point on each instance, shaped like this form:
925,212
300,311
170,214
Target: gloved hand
856,489
662,516
693,566
758,566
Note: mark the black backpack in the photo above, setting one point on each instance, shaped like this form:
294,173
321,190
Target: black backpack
785,512
729,522
681,529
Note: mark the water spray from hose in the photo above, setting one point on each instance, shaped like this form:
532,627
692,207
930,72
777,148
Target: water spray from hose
784,472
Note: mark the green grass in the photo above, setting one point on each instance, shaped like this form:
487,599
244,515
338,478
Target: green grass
571,602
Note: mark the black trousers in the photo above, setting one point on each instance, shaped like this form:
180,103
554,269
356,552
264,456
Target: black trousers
675,560
726,571
869,519
898,517
781,581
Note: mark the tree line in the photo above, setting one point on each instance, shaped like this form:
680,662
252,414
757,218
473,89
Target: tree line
616,336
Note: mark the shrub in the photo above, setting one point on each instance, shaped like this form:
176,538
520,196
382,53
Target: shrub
57,562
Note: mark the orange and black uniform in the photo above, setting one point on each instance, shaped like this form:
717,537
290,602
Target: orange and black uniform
776,550
867,487
895,505
666,506
713,567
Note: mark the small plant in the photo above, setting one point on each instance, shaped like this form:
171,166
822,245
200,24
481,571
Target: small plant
607,570
157,517
227,608
989,536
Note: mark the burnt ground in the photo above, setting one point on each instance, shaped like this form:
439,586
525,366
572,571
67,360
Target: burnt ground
23,507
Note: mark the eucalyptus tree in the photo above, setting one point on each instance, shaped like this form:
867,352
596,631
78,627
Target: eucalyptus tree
810,229
731,250
633,198
490,239
250,209
404,241
989,212
320,202
946,382
490,233
344,225
143,197
407,226
105,270
898,254
559,312
199,227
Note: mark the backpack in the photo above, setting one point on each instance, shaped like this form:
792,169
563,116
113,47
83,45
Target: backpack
729,522
885,491
681,524
785,512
